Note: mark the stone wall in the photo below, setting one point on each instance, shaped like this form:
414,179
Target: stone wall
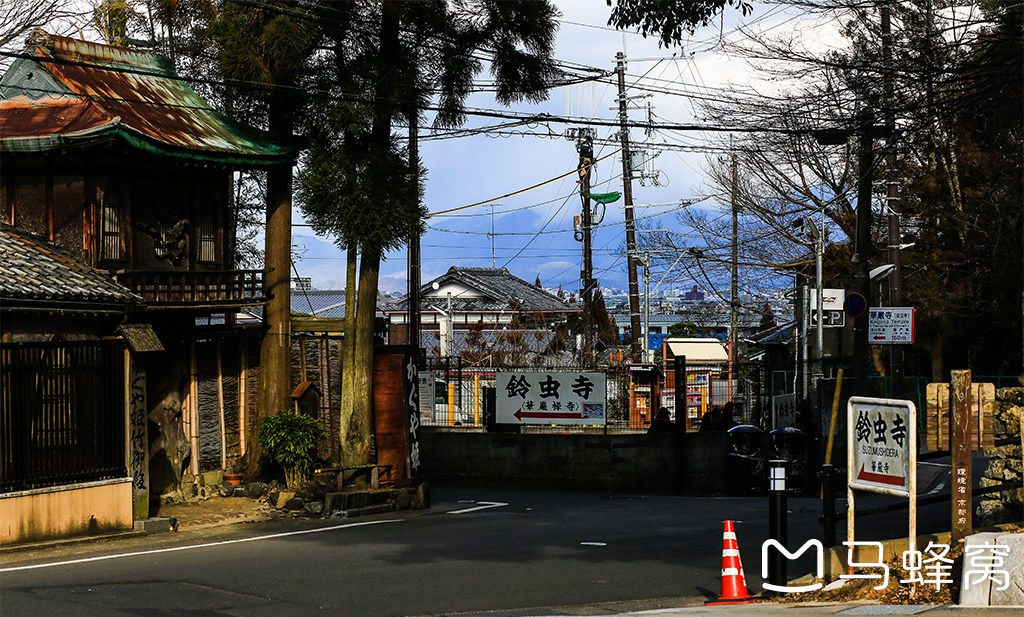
1005,462
607,463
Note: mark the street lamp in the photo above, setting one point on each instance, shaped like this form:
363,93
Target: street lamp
818,236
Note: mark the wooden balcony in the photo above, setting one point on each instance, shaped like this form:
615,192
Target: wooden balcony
210,288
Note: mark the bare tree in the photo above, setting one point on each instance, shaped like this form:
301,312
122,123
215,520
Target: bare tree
954,68
19,17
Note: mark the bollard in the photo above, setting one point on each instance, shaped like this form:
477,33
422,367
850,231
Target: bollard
828,505
777,524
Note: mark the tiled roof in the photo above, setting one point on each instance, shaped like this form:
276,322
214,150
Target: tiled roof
65,92
35,270
325,302
781,334
494,290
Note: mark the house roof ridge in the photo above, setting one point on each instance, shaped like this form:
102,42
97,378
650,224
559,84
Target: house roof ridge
67,48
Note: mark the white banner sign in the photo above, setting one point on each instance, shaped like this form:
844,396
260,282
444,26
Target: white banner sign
550,397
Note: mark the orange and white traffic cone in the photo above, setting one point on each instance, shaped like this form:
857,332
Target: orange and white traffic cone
734,584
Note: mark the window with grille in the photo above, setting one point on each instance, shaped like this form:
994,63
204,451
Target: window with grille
160,243
112,248
207,239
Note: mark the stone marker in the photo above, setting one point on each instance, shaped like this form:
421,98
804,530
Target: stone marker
985,572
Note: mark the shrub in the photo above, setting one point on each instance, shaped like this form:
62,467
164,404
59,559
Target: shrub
290,439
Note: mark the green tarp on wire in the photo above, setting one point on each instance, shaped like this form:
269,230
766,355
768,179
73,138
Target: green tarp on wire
605,198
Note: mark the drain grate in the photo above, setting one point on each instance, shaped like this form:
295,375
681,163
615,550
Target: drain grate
514,612
888,609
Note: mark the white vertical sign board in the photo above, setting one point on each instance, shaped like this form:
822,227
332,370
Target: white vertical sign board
784,411
550,397
881,443
426,393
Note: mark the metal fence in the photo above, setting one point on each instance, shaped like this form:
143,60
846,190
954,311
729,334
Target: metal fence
62,416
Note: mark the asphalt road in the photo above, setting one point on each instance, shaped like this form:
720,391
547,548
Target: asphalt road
540,549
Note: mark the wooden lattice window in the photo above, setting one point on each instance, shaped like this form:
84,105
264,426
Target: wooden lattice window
207,239
112,243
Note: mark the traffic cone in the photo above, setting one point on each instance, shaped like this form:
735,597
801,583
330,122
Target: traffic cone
734,584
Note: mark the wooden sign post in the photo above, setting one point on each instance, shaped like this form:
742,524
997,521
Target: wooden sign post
960,454
960,417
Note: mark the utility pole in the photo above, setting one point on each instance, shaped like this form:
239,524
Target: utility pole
585,146
734,291
892,197
627,198
862,250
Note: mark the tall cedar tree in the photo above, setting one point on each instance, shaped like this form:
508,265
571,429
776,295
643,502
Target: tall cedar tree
272,46
386,61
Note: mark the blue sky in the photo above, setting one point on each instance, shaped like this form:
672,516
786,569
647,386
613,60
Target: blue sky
534,229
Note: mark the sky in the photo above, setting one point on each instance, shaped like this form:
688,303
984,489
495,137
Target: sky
530,230
533,229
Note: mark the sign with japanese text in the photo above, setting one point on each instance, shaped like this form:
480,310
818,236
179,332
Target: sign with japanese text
411,387
891,326
882,436
426,394
784,411
550,397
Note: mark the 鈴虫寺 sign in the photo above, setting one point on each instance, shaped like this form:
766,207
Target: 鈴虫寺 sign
550,397
881,433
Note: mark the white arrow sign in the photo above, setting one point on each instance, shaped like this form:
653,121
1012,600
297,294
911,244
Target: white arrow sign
483,505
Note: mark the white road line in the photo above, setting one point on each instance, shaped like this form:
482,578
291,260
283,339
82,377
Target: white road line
483,506
192,546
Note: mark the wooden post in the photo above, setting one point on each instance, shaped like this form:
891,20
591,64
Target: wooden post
960,454
476,400
220,411
243,394
138,435
325,389
193,409
302,359
330,396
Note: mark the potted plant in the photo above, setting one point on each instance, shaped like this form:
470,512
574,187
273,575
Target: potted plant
290,439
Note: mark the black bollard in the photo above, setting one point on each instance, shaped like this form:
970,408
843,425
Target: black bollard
777,524
828,505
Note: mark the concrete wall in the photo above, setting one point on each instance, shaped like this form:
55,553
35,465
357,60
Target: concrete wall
87,509
607,463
